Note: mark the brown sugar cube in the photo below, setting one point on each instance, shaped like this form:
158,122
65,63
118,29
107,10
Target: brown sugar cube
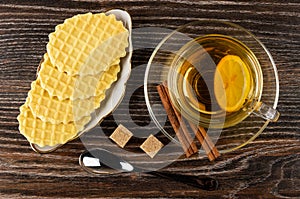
151,146
121,135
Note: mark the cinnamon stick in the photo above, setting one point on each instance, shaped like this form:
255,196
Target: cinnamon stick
174,120
181,130
185,130
209,148
209,142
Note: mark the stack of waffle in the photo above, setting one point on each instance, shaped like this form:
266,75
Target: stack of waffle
81,63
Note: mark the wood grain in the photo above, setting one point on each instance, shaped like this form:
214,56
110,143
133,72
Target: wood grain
266,168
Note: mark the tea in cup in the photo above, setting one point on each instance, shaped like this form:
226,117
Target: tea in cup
216,81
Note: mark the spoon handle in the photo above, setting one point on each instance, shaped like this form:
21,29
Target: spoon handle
101,161
205,183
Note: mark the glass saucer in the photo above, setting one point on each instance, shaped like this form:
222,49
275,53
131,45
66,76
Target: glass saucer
159,66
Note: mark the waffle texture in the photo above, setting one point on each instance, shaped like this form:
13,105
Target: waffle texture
44,133
50,109
87,44
65,86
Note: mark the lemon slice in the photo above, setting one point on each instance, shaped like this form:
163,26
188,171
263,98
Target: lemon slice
232,83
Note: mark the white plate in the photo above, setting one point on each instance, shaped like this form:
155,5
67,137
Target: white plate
114,95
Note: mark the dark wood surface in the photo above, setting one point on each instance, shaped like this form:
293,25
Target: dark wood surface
266,168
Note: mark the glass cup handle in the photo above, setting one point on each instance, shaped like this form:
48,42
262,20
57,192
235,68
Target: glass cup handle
266,112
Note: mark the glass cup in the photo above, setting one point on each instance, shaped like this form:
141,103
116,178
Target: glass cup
187,60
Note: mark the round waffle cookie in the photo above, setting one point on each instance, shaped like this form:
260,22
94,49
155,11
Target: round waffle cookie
87,44
64,86
50,109
44,133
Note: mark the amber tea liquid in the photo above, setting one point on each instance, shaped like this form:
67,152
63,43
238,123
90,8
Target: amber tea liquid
191,80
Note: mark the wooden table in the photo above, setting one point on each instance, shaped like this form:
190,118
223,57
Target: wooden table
266,168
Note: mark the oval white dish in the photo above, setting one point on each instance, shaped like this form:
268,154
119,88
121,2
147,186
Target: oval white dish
116,92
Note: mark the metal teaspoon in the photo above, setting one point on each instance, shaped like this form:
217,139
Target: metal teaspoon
96,161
